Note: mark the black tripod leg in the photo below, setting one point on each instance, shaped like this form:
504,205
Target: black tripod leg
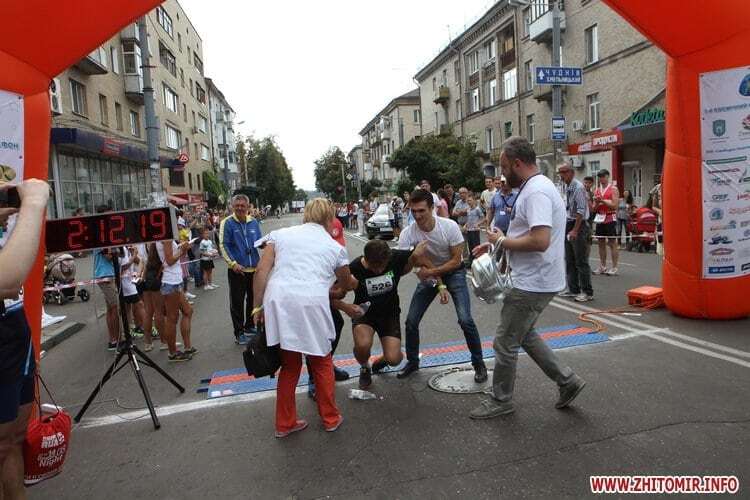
107,375
139,376
158,368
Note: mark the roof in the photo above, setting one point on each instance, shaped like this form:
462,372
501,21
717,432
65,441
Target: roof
411,97
212,86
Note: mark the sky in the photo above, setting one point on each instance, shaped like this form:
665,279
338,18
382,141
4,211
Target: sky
314,73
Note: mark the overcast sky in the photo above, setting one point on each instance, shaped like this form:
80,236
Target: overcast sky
314,73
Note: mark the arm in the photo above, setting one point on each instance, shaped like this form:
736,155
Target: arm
223,240
346,281
536,240
580,203
454,263
19,254
615,201
171,258
260,280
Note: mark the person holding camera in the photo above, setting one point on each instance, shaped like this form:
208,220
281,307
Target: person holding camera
104,273
18,251
237,236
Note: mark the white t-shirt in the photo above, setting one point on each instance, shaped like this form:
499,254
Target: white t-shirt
444,235
487,196
127,275
207,250
171,275
539,204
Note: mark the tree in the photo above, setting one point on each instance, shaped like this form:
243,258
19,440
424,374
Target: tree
369,187
328,178
213,186
266,166
300,195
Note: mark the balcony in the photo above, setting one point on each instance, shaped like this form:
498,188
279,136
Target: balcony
544,92
442,96
385,134
91,65
130,33
540,29
134,88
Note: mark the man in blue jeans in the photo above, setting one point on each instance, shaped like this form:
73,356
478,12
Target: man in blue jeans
445,245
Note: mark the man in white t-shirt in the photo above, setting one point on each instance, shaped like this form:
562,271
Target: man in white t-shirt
424,184
445,245
536,248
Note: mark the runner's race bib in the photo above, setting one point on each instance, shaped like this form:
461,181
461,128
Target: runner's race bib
379,285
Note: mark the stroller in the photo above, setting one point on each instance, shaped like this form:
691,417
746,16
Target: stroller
642,228
61,270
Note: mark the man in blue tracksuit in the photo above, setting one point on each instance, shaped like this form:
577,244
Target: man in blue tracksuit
237,236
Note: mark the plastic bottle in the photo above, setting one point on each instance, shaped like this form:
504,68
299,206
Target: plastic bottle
365,306
360,394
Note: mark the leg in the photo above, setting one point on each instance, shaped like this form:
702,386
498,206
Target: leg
236,300
139,314
363,335
12,435
392,350
582,268
338,325
185,321
615,251
545,358
323,368
148,317
456,283
248,291
286,407
113,322
172,305
420,301
602,242
570,264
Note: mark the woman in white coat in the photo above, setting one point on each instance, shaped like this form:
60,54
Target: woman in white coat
292,282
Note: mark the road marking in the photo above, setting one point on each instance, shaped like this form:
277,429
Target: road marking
620,263
638,328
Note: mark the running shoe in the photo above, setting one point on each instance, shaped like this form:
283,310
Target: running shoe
611,272
190,295
583,297
600,270
567,293
365,377
242,339
335,427
136,332
569,391
154,332
379,365
340,375
112,346
179,356
299,426
207,288
191,351
148,347
214,286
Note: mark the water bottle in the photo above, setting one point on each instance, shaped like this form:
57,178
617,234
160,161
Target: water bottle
364,306
360,394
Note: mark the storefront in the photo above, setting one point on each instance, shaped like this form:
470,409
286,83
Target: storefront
598,153
642,151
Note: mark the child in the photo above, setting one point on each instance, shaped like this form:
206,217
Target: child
473,218
208,252
130,264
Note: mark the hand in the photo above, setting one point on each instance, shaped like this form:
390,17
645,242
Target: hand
424,274
10,293
494,235
420,249
237,268
354,311
572,235
259,318
5,213
443,296
33,192
480,249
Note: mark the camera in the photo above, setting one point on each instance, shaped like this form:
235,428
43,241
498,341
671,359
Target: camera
9,198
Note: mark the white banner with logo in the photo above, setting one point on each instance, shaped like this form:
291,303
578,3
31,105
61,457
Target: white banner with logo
725,141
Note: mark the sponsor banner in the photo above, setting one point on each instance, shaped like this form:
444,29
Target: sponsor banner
725,142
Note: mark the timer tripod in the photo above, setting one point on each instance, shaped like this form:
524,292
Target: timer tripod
131,353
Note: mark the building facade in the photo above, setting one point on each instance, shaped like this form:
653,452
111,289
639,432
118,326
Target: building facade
222,136
482,86
98,153
395,125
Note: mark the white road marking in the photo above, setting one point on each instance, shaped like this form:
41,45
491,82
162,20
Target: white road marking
638,328
620,263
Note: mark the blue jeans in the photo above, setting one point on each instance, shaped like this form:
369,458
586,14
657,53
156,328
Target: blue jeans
195,271
421,300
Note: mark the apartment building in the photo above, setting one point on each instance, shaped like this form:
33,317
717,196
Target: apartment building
357,163
98,153
395,125
222,136
482,86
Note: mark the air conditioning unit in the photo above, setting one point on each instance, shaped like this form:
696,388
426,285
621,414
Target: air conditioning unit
578,125
55,97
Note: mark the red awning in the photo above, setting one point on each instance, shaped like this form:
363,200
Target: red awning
176,200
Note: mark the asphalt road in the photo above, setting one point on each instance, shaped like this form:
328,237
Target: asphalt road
665,396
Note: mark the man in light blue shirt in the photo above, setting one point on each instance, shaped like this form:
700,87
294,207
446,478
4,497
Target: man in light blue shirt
501,206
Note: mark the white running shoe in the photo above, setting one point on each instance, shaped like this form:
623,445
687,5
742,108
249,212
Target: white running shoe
582,297
600,270
207,288
214,286
190,295
611,272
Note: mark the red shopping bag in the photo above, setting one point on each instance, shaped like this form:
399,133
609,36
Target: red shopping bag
46,444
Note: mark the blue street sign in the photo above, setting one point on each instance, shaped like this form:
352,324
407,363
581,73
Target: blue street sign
558,128
548,75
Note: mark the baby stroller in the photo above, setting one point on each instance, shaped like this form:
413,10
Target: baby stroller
642,228
61,270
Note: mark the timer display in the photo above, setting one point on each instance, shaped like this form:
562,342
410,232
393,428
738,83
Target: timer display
111,229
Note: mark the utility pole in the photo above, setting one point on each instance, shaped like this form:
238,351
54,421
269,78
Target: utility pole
343,180
152,123
556,89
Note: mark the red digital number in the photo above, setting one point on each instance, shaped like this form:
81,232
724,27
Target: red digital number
143,221
76,230
158,222
117,225
102,232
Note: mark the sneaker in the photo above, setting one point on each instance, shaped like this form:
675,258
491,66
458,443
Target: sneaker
491,408
408,369
191,302
566,293
299,426
340,375
611,271
191,351
213,287
148,347
583,297
207,288
242,339
379,365
112,346
600,270
569,391
334,427
480,374
154,332
136,333
179,356
365,377
190,295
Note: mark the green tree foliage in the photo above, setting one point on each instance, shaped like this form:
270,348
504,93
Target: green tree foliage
328,175
370,187
266,166
440,160
300,195
213,186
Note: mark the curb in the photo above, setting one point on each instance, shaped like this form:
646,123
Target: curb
57,336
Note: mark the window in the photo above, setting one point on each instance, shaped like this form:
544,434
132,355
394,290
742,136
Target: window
417,118
195,148
493,92
131,57
526,20
190,82
594,167
457,70
205,152
78,95
115,57
171,101
475,100
528,76
195,122
592,44
190,181
118,116
530,128
200,94
135,124
434,83
184,112
182,78
491,49
198,63
179,42
473,62
508,129
100,55
437,121
176,177
458,109
202,123
165,21
103,111
510,88
489,140
198,178
592,102
445,78
540,7
173,137
167,59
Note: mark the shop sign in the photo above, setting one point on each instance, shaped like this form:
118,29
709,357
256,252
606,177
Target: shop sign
599,142
111,147
647,117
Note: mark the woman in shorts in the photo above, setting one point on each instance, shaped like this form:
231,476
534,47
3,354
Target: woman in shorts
152,298
175,301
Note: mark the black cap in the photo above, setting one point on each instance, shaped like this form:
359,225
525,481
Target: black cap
602,172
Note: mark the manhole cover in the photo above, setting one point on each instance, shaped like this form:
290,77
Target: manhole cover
459,381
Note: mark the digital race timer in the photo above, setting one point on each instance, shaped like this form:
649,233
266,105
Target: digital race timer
111,229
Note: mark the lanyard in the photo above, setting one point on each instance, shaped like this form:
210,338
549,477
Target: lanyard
518,195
